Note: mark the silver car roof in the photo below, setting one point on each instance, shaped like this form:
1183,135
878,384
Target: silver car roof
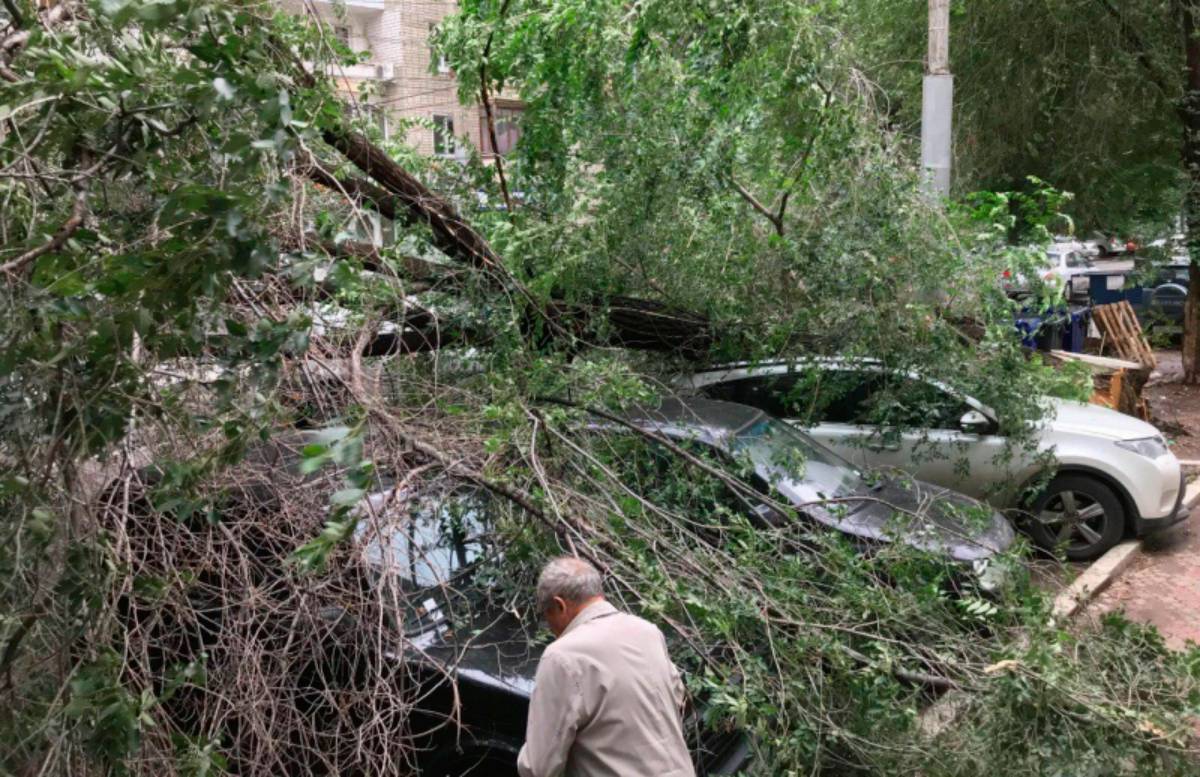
707,376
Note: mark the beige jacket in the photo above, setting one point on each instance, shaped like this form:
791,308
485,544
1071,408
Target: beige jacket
606,702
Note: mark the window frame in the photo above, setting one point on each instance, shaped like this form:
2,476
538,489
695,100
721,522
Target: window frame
443,135
502,113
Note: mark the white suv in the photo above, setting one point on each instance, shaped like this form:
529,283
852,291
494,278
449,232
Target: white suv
1112,474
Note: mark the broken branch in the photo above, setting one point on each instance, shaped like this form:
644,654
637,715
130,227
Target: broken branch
68,228
776,220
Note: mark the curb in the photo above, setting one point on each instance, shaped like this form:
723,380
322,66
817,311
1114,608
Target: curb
1108,567
942,713
1095,578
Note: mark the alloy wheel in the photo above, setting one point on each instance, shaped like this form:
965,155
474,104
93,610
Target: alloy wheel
1076,520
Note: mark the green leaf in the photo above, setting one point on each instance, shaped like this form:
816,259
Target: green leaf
347,496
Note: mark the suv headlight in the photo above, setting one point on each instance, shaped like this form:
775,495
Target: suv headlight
1150,447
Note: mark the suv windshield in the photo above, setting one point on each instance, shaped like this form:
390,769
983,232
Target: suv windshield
803,470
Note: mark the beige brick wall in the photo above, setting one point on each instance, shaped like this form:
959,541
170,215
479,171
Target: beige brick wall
398,34
417,92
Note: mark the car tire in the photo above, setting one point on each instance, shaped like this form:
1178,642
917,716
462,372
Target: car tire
1077,516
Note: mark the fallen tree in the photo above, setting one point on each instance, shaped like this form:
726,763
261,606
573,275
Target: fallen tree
156,167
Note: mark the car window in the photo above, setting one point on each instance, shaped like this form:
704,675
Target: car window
772,394
428,540
847,396
799,467
910,403
809,396
1076,259
838,396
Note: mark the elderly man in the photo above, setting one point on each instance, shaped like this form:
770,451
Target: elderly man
607,698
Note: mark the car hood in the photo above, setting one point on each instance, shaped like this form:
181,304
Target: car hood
1093,420
925,516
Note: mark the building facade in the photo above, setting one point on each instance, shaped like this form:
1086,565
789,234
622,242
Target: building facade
405,81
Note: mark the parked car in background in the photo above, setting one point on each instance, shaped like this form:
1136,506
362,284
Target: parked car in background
1163,298
1065,267
1112,474
1111,246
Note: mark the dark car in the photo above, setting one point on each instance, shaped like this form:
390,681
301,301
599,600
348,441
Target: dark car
453,630
1163,299
830,491
463,637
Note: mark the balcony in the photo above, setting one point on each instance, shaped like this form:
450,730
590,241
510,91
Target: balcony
364,72
357,6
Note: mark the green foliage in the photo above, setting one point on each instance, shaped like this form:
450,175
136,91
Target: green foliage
112,718
169,128
343,447
645,137
1080,93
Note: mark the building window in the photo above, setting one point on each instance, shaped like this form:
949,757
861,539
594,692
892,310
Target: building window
443,135
442,65
342,33
508,129
375,115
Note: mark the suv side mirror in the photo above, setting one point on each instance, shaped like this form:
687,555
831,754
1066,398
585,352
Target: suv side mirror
975,422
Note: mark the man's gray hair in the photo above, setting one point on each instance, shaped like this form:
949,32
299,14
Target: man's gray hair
571,578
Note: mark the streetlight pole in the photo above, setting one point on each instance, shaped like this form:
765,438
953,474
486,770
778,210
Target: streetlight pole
937,101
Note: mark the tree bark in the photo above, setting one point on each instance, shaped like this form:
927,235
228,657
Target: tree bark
1190,115
630,323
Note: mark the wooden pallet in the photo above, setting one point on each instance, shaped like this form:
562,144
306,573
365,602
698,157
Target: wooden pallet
1122,332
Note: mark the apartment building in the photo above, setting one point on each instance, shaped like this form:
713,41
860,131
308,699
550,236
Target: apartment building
403,79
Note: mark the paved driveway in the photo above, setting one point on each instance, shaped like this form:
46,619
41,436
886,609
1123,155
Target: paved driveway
1162,586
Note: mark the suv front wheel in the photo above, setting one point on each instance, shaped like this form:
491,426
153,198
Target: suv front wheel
1077,516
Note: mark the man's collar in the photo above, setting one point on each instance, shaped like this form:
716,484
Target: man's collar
590,613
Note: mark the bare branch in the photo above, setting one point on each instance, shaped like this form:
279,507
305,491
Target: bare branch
775,220
68,228
488,113
497,159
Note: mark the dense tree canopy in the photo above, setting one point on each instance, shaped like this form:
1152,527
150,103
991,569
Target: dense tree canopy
1081,93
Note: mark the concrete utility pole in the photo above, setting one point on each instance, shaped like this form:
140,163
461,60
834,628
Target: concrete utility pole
937,101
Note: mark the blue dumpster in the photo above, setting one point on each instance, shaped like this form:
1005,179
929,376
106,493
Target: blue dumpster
1062,328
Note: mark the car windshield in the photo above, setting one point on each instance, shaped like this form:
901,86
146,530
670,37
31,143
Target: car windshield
800,468
427,541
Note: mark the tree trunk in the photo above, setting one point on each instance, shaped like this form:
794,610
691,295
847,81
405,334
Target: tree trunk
1189,112
397,194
